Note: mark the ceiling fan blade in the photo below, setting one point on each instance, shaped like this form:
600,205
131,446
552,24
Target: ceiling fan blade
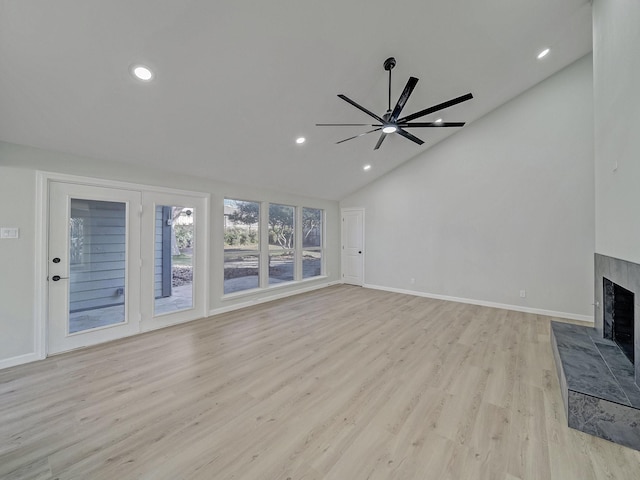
356,136
413,138
432,124
380,140
435,108
360,107
345,125
408,89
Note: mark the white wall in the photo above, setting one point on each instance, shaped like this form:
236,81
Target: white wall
506,204
616,58
17,200
18,166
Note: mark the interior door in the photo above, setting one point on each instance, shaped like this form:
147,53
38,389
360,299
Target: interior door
93,265
353,246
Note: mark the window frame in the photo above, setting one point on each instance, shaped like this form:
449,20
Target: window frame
264,248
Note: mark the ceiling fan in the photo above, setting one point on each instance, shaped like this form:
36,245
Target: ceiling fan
390,123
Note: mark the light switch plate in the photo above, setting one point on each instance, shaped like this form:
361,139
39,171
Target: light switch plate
9,232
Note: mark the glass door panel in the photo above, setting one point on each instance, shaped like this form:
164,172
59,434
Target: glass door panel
97,268
174,246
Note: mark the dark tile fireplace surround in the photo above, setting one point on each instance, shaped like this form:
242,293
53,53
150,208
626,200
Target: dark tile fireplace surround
598,377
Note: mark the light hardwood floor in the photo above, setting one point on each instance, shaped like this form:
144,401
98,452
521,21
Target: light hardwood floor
342,383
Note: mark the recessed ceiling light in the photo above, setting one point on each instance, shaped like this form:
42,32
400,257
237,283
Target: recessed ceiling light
301,140
366,167
543,53
438,120
389,129
142,73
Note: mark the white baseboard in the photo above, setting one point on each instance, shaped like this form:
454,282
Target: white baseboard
19,360
483,303
270,298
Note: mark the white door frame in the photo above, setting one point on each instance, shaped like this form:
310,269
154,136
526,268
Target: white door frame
43,179
343,253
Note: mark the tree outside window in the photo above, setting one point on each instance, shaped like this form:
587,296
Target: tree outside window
241,245
281,243
311,242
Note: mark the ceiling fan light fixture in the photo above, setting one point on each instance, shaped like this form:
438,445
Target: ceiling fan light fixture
389,129
142,73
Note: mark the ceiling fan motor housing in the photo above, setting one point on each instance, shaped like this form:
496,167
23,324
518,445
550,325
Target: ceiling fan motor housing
389,63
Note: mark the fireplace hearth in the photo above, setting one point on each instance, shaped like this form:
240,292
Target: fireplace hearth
598,374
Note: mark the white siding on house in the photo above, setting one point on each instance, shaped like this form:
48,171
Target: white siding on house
97,254
158,254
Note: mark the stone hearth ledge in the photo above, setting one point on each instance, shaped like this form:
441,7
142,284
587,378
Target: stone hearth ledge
596,400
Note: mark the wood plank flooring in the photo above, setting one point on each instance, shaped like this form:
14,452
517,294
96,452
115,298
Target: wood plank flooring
341,383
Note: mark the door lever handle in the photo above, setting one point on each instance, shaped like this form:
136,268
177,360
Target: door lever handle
55,278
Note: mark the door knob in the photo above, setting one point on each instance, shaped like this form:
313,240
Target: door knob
359,251
55,278
56,260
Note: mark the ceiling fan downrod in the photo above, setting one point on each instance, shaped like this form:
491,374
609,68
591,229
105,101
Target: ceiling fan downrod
388,64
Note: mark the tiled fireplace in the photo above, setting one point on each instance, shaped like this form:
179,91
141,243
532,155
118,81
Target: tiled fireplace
627,276
599,368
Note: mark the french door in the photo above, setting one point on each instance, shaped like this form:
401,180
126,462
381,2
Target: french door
174,258
93,265
122,261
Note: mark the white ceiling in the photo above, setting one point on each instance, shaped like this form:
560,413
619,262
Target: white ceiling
237,81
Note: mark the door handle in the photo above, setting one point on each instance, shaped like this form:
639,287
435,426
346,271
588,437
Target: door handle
359,251
55,278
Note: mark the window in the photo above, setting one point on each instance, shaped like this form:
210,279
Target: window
241,245
311,242
281,243
291,249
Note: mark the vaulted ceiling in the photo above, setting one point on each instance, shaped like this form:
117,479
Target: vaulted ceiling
236,82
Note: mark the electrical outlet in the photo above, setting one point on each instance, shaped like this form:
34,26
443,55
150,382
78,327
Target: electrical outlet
523,293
